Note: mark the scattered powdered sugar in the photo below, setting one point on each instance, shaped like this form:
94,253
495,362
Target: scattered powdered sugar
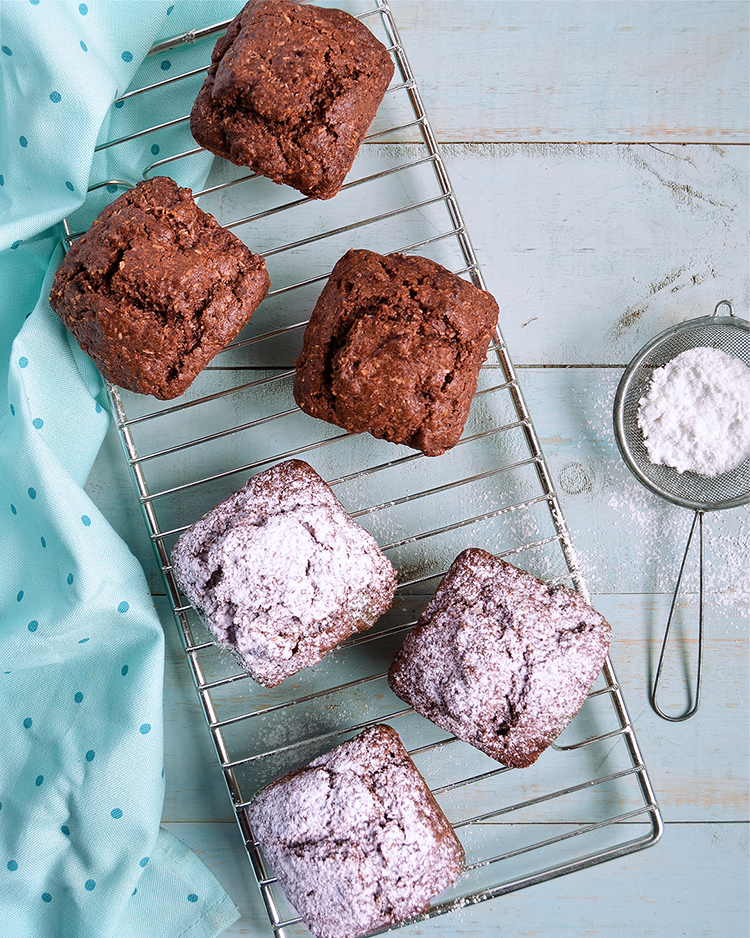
355,837
696,414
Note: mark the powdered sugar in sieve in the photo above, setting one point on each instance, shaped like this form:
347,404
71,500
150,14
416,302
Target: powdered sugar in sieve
666,441
696,414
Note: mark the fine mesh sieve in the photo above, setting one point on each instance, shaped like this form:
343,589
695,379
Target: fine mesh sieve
702,493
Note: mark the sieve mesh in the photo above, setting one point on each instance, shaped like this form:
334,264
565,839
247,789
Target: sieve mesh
730,334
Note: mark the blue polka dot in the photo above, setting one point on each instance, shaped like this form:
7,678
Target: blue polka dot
23,141
83,9
55,97
2,180
144,861
127,56
6,50
118,104
34,3
27,722
23,361
145,728
78,697
38,780
46,897
14,247
112,188
66,830
12,866
12,408
155,149
37,422
116,813
124,670
19,596
69,185
134,891
70,579
89,885
85,521
84,46
32,493
192,897
123,607
42,542
1,806
165,65
90,755
33,625
13,509
98,408
169,9
82,641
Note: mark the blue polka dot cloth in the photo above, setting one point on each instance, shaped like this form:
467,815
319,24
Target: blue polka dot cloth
82,850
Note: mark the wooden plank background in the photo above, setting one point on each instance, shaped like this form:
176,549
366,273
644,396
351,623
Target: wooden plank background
599,153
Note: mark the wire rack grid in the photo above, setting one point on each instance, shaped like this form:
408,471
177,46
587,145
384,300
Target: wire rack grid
589,798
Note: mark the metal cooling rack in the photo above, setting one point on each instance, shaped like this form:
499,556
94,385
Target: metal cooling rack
589,798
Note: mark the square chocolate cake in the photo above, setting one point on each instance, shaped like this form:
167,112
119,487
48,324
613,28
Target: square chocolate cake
500,659
355,838
394,347
281,573
156,288
291,92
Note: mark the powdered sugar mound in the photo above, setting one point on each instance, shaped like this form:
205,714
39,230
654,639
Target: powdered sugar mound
696,414
500,659
355,837
281,573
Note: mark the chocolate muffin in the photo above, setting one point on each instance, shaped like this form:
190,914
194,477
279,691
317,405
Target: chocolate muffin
156,288
355,837
500,659
290,92
280,572
394,347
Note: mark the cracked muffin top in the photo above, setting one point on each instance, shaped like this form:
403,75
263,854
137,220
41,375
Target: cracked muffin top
290,92
280,572
500,659
394,347
356,838
156,288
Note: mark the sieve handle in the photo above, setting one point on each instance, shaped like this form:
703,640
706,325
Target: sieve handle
697,519
726,303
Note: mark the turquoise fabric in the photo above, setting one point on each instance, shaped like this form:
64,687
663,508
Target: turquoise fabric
82,854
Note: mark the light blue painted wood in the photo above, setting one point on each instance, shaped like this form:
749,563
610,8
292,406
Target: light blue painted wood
693,883
598,71
590,249
698,769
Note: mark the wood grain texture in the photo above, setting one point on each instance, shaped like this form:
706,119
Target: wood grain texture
698,769
592,250
599,154
601,71
693,883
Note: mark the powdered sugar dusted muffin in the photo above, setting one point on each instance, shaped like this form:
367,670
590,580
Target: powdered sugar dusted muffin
356,838
281,573
500,659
